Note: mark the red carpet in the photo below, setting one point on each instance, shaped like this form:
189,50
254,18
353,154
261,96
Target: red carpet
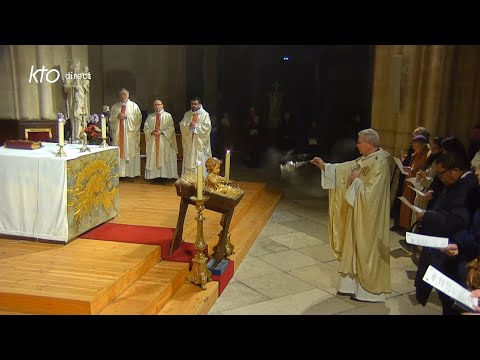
225,278
153,235
149,235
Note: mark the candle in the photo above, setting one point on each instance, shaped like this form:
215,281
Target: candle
199,181
227,165
61,139
104,127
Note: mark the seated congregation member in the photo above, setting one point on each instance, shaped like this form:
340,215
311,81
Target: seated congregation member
449,145
406,160
419,159
426,177
161,144
450,213
466,243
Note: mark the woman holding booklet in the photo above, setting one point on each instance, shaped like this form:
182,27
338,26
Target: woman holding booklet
419,159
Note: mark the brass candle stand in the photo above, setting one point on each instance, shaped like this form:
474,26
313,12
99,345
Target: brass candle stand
84,143
104,143
61,152
199,275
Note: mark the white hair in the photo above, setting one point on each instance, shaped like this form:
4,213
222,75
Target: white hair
370,136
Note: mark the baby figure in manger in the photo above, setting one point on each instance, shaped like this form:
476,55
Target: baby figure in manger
218,183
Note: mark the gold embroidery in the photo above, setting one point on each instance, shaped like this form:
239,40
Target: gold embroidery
364,170
92,190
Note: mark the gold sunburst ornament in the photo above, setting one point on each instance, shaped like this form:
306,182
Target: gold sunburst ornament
92,190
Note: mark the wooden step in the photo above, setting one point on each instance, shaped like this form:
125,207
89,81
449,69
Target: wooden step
12,248
82,277
151,292
191,300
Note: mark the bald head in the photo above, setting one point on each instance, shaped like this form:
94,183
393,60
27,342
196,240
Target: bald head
124,95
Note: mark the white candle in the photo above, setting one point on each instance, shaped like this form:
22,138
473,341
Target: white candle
61,139
199,181
104,127
227,165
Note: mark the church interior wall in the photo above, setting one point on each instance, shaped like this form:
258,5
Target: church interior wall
438,88
26,103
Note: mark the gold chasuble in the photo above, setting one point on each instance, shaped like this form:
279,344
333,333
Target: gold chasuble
359,215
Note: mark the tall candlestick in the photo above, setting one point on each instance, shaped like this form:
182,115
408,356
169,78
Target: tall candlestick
199,181
104,127
61,138
227,165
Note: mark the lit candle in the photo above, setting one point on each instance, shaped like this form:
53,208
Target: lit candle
61,139
199,181
227,165
104,127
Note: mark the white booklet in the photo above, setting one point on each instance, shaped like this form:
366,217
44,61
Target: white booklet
425,240
414,182
413,207
417,191
451,288
400,166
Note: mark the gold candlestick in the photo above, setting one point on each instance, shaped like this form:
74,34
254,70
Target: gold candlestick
61,152
104,143
199,275
84,143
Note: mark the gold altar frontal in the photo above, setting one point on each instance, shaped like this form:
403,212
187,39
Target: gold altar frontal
92,190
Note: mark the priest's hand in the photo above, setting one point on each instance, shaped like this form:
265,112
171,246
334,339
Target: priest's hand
353,175
121,116
318,162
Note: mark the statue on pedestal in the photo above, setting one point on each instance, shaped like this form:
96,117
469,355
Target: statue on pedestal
275,100
78,91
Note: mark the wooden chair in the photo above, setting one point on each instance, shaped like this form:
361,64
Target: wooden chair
38,134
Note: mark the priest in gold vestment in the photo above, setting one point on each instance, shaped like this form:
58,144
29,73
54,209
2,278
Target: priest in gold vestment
359,208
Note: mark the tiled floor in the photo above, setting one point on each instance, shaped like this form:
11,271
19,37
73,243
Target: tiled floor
290,268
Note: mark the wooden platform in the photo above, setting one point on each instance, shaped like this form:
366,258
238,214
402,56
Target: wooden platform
104,277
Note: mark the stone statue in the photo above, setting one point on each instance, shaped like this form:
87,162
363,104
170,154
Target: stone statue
76,87
86,88
218,183
275,100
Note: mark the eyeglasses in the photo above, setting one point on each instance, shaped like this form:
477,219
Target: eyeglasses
441,173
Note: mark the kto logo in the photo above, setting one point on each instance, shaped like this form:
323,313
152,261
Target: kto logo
42,71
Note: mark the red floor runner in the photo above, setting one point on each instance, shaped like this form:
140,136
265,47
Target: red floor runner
153,235
225,278
150,235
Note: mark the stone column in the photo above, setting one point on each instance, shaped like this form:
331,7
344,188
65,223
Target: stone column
177,81
25,58
45,93
210,71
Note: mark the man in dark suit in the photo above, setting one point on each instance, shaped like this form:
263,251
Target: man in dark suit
450,213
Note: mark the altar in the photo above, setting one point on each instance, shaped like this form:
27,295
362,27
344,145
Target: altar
57,198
